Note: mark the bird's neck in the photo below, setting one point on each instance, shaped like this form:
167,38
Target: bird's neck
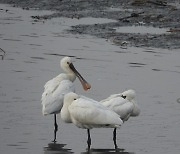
65,115
71,76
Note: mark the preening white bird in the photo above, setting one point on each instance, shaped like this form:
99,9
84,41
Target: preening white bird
55,89
87,113
124,104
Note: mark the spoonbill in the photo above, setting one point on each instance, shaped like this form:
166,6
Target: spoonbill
87,113
55,89
124,105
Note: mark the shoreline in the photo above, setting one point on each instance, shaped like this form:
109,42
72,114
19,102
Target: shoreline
142,13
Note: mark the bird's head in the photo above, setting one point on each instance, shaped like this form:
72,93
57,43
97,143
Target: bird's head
70,97
129,94
68,67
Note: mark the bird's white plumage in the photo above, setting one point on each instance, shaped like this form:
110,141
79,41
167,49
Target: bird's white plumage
123,107
53,102
131,96
87,113
110,97
55,89
120,105
52,85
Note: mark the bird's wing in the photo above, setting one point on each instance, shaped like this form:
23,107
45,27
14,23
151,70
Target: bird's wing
52,85
111,97
136,110
120,105
113,102
90,112
124,110
53,102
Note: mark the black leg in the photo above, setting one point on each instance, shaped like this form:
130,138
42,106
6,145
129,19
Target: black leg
55,128
114,138
89,139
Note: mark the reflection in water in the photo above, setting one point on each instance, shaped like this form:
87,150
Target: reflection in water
107,151
53,148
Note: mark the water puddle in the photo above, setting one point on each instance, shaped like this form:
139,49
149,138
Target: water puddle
142,30
81,21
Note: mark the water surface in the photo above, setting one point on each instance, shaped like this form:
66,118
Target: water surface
142,30
33,51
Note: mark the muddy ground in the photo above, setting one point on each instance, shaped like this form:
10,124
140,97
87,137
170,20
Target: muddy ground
153,13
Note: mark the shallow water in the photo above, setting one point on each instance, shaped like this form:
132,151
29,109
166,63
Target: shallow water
142,30
33,50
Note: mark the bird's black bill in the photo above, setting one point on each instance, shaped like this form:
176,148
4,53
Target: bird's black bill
84,83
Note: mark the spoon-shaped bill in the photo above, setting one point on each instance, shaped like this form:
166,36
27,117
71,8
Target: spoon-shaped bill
84,83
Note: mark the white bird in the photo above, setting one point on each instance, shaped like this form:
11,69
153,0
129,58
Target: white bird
55,89
87,113
124,104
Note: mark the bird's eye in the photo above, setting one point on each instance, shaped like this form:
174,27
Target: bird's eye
123,96
68,63
74,98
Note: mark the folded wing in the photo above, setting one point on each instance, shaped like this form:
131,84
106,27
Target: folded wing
53,96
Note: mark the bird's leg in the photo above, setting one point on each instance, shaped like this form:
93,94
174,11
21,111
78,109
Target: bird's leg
55,128
55,123
114,138
89,139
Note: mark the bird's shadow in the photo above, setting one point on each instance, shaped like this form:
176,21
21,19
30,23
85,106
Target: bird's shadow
52,148
107,151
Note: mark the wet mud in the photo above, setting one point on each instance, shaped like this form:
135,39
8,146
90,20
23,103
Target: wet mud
131,13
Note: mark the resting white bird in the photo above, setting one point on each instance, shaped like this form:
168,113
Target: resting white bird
87,113
55,89
124,105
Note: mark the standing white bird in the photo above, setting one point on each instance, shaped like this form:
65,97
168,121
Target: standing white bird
87,113
124,105
55,89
